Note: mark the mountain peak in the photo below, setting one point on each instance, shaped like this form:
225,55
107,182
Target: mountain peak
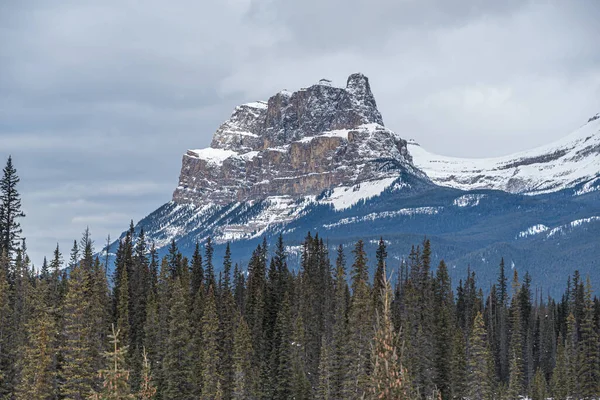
295,144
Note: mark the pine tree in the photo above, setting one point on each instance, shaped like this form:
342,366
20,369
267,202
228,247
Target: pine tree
244,376
458,366
38,371
210,357
501,348
6,363
226,311
361,327
301,387
325,388
147,388
389,379
77,366
209,279
115,384
255,305
197,278
284,354
176,366
123,304
479,374
515,385
378,280
340,348
572,358
444,327
560,382
589,346
10,210
539,389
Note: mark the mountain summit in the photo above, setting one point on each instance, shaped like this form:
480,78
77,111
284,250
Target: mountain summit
295,144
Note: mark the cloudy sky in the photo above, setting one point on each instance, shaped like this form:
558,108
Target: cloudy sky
99,100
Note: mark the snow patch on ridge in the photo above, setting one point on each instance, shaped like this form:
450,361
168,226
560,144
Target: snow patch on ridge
468,200
213,156
556,166
561,229
589,187
343,197
533,230
386,214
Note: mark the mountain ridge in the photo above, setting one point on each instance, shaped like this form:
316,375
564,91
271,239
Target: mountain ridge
559,165
376,187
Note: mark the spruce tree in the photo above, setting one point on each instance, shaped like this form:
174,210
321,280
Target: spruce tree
78,374
589,346
115,377
340,349
378,280
458,366
209,269
444,327
6,363
573,361
284,354
176,366
210,358
389,378
10,210
325,388
515,386
123,303
539,387
38,372
147,388
560,381
244,382
360,323
479,374
226,311
301,387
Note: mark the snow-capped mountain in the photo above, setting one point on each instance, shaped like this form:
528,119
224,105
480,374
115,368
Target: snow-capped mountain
563,164
321,160
295,144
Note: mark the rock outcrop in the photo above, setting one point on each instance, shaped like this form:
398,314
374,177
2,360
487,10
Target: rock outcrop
296,144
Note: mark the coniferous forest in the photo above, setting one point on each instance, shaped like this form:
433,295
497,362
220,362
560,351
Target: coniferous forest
175,328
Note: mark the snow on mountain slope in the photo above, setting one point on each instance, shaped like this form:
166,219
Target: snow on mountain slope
562,229
571,160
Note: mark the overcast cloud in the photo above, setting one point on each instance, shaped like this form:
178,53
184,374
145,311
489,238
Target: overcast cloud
99,100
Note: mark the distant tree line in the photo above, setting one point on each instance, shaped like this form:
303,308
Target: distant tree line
175,328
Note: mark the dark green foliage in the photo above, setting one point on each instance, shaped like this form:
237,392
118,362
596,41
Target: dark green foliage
268,333
479,386
10,210
360,325
211,388
177,359
244,378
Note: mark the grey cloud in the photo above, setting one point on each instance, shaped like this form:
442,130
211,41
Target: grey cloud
98,100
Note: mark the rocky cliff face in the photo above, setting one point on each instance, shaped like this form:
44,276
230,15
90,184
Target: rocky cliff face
296,144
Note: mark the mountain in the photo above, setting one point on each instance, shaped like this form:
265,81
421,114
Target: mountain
559,165
296,144
321,160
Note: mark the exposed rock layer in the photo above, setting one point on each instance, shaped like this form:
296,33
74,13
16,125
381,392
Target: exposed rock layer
295,144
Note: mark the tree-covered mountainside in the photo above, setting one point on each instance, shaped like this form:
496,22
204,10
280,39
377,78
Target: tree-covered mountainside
545,235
